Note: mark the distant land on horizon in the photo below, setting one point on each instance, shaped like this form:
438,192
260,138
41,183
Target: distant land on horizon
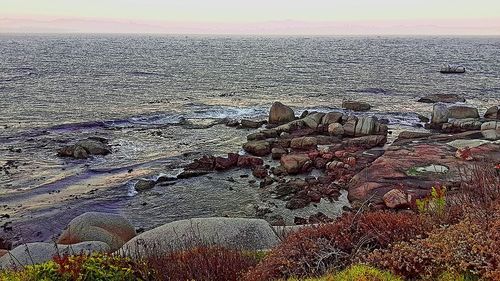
467,27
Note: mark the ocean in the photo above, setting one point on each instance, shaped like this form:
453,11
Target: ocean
160,101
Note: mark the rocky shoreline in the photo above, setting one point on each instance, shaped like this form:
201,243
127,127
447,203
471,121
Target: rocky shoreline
323,159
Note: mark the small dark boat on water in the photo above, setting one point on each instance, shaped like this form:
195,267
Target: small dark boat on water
448,69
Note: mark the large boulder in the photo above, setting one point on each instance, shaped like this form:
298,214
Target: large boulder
39,252
144,184
440,114
462,112
293,163
350,126
365,126
112,229
356,105
493,112
233,233
447,98
257,148
280,114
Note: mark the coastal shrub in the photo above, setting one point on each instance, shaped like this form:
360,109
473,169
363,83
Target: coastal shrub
479,191
333,246
357,272
469,249
202,264
77,268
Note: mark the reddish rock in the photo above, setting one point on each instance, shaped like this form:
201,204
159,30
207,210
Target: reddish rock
327,156
393,169
222,163
351,161
3,252
249,161
293,162
396,199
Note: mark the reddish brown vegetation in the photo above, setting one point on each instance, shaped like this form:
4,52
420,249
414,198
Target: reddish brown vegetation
201,263
314,250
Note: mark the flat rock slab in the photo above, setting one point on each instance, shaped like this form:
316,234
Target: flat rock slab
40,252
406,166
234,233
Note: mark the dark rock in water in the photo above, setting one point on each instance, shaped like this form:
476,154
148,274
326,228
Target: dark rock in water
222,163
192,174
304,114
257,148
356,105
142,184
280,114
493,113
452,69
249,162
446,98
462,112
80,153
164,179
250,124
422,118
207,163
84,148
232,123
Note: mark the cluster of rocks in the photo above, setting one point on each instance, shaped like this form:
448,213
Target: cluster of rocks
111,233
334,143
461,118
83,149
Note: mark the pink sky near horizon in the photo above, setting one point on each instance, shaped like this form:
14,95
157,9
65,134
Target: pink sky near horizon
278,27
266,17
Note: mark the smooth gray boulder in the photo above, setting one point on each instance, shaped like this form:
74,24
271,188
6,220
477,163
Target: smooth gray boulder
491,130
233,233
462,112
440,114
111,229
40,252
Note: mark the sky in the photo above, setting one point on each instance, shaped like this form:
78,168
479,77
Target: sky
314,17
